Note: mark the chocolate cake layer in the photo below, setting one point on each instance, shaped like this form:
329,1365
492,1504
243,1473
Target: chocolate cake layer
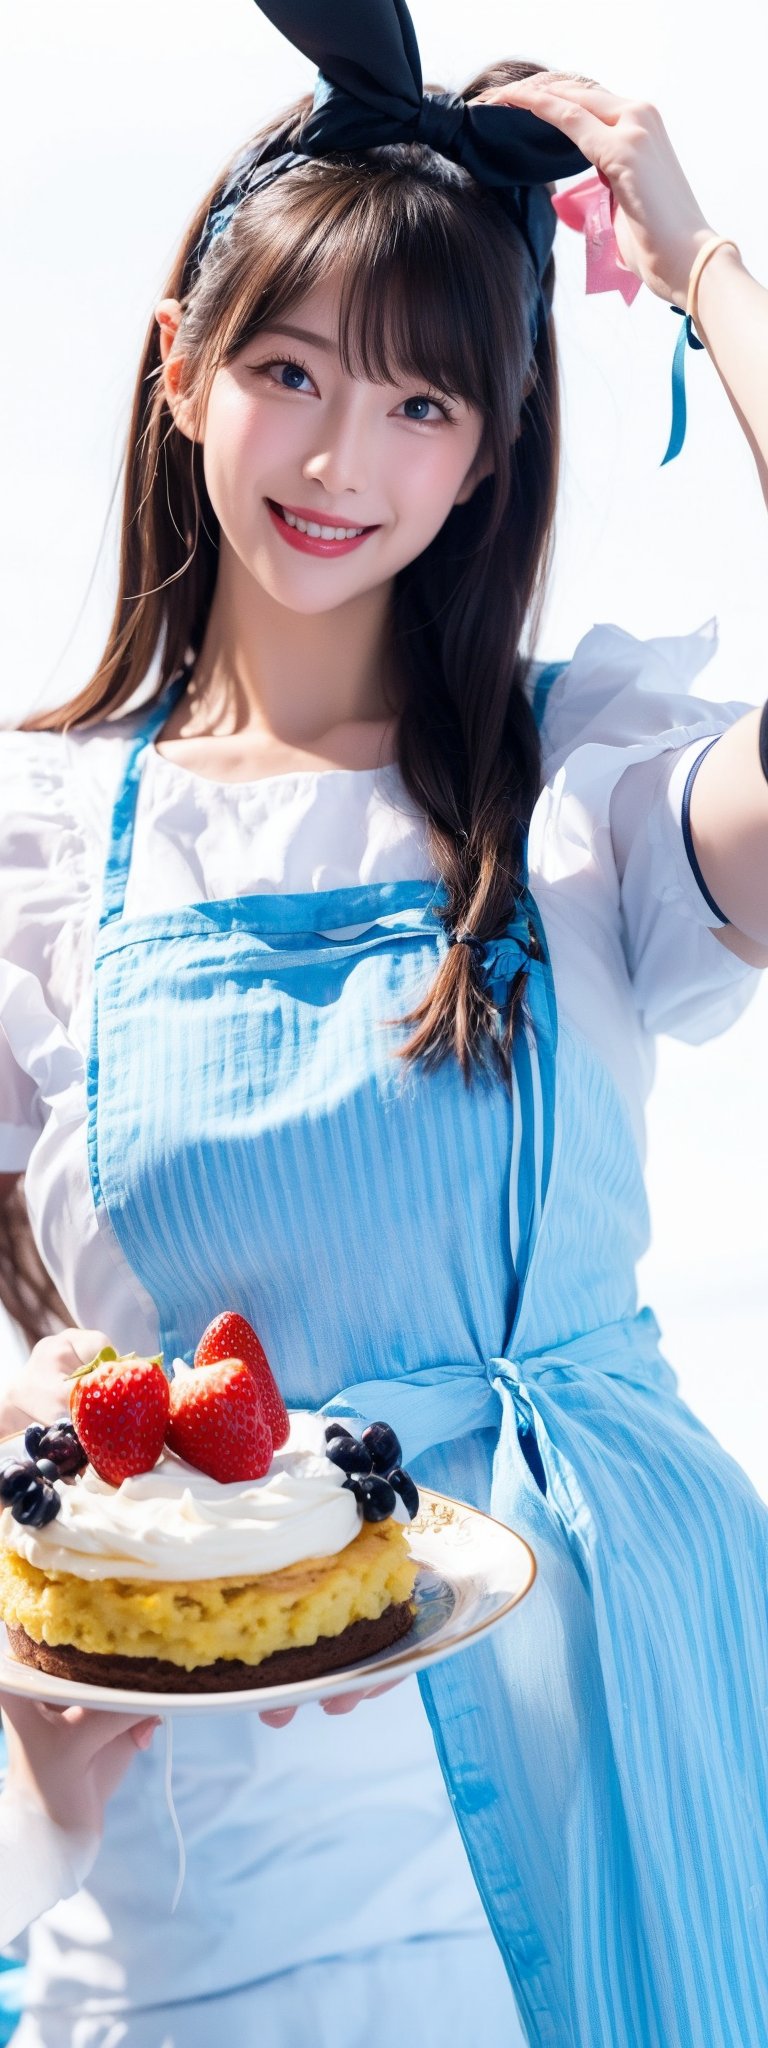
153,1674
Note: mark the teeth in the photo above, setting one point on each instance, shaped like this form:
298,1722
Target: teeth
317,532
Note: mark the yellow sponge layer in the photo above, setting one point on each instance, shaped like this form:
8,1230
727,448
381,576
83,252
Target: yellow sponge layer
193,1622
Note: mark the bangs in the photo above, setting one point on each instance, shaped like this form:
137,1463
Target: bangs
428,271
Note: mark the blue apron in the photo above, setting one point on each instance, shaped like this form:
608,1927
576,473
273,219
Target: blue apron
461,1262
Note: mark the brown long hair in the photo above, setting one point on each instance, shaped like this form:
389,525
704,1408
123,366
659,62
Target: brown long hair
433,281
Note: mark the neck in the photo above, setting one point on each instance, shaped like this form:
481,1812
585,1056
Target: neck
292,676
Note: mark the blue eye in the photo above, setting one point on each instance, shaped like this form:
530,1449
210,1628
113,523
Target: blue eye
422,398
289,363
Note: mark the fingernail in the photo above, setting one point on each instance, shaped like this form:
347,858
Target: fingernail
143,1736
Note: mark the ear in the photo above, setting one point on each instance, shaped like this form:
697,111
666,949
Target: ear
168,317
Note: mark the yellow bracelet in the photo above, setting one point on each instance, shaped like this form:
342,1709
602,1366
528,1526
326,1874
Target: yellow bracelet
707,249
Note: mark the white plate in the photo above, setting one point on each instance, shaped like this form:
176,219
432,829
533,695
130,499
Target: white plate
472,1572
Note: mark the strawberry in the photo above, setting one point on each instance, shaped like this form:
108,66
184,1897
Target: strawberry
120,1407
230,1336
217,1422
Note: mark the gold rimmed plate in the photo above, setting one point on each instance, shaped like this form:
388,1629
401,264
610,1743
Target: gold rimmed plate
472,1571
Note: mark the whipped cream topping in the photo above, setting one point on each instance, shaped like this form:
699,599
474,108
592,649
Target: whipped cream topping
176,1523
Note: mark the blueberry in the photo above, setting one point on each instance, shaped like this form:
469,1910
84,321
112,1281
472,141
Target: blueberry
61,1444
14,1479
406,1487
377,1498
26,1505
37,1505
32,1437
47,1469
336,1429
349,1455
50,1508
383,1445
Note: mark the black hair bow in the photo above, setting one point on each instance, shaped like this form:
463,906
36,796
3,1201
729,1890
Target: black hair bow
369,91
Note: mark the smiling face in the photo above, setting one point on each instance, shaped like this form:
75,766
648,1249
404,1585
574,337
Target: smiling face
286,428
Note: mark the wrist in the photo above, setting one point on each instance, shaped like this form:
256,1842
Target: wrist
75,1846
61,1806
722,262
684,260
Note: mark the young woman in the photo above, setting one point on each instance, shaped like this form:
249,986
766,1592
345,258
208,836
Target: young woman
330,976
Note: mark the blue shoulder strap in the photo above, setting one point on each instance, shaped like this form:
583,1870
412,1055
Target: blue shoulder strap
124,809
547,674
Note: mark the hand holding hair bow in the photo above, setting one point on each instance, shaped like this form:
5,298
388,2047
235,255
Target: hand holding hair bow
658,223
639,216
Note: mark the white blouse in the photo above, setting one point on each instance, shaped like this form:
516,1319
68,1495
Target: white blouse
631,934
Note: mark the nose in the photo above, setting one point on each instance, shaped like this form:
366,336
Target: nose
345,460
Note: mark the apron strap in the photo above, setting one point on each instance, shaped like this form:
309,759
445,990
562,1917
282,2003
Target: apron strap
546,677
124,810
534,1056
533,1059
533,1079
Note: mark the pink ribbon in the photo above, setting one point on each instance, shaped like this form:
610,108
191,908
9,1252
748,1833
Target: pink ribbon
588,208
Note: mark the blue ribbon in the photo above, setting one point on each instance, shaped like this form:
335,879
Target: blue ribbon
679,411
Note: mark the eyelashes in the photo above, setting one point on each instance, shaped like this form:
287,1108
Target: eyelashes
427,397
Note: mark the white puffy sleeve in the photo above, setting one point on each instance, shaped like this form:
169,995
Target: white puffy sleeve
621,733
44,891
40,1863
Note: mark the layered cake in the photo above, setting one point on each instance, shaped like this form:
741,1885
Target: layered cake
190,1534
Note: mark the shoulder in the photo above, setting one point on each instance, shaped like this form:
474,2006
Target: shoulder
618,691
51,777
38,825
56,793
621,728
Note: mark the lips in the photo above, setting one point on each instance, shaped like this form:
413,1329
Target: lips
315,517
313,544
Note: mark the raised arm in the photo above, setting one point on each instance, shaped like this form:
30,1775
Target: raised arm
660,228
732,319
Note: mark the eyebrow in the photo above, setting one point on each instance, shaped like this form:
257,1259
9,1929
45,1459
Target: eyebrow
303,334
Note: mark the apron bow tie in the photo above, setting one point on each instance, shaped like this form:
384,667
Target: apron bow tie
439,1403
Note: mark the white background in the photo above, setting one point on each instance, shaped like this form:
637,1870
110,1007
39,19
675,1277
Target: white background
117,120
